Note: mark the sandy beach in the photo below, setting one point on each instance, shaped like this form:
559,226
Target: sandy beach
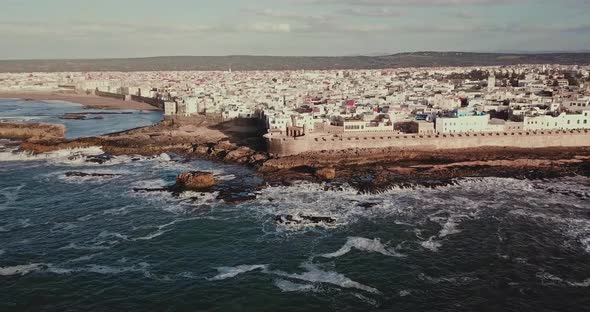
89,101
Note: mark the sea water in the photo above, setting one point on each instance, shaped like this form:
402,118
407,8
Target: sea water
98,244
103,121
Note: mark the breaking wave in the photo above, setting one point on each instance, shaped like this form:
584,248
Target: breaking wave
363,244
316,275
10,195
67,156
550,279
288,286
230,272
20,269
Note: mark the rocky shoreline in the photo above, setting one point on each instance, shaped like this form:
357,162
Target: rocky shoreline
367,170
31,131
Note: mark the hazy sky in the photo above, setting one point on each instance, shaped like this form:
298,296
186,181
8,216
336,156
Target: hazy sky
132,28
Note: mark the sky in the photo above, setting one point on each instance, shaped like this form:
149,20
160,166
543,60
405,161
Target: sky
43,29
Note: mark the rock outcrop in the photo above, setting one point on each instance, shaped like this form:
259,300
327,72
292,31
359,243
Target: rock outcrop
326,173
95,175
303,220
194,181
34,131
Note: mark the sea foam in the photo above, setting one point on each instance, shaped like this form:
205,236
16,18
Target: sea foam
20,269
363,244
230,272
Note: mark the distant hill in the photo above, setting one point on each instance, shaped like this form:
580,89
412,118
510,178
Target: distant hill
244,62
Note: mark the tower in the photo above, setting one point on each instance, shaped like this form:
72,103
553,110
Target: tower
491,82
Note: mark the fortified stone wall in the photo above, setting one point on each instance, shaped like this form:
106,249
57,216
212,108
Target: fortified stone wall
287,146
151,101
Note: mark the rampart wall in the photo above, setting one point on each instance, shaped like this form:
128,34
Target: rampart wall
287,146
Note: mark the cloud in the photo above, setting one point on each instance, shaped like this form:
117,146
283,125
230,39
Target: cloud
92,31
465,14
268,27
406,2
380,12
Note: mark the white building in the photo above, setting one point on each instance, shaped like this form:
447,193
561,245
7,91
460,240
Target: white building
562,122
170,108
477,123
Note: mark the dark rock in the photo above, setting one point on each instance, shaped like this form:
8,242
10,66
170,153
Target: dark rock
326,173
84,174
302,219
151,190
196,180
99,159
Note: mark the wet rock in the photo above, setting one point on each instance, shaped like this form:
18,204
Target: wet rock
196,180
258,158
326,173
99,159
151,190
73,116
302,219
223,147
240,154
202,149
84,174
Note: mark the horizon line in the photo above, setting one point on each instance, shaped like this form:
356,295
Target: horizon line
523,52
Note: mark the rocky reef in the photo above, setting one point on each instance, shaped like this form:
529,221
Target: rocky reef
365,169
31,131
194,181
326,173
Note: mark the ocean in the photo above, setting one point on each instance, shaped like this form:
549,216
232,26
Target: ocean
103,243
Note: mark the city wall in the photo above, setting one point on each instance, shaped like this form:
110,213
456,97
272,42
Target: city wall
151,101
287,146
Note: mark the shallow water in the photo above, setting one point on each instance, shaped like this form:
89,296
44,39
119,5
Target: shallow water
49,111
90,243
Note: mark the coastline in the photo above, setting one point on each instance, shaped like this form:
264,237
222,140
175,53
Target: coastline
368,170
88,101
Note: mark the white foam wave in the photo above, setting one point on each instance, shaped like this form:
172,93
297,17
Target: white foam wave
366,299
150,184
67,156
151,235
407,205
20,269
107,234
449,228
316,275
10,195
99,269
229,272
288,286
431,244
117,211
225,177
404,293
162,229
312,274
551,279
363,244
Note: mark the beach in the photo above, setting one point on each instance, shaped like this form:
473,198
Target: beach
89,101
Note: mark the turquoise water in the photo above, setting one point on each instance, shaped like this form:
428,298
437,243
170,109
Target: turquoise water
98,244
